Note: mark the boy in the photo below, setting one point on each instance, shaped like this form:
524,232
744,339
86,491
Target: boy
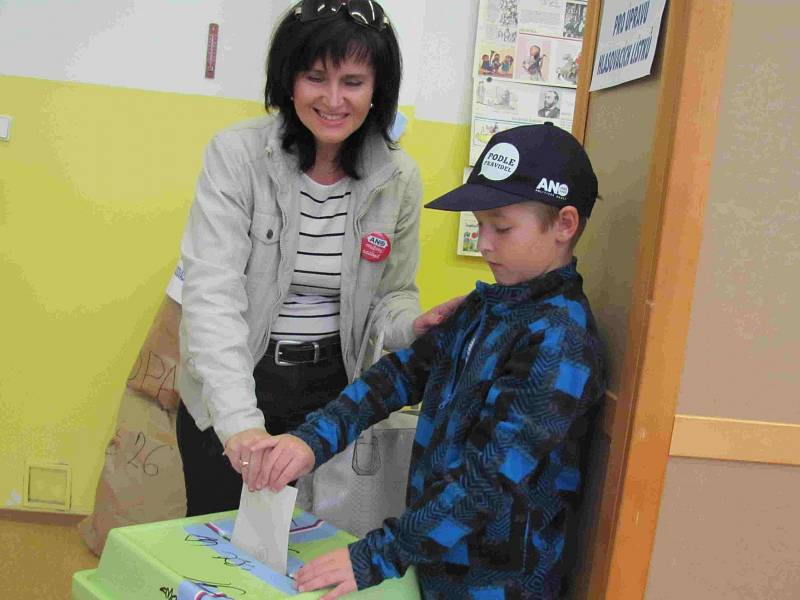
504,385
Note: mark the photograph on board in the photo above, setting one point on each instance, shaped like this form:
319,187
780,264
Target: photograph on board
574,20
482,131
503,99
543,17
532,56
499,21
566,56
495,61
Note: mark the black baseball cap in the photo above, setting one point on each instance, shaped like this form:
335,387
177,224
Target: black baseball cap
531,162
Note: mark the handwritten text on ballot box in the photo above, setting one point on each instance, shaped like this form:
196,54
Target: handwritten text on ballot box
186,559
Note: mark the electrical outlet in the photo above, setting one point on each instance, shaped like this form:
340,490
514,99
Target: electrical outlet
5,127
48,486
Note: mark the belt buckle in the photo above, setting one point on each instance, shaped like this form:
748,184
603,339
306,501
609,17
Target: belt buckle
284,363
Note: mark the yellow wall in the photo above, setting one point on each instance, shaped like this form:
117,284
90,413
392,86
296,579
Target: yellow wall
442,152
95,185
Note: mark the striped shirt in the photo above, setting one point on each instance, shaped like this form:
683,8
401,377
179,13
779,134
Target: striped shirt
311,310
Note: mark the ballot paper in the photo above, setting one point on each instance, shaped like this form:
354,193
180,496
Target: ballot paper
262,525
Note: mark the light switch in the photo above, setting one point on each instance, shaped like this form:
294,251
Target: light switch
5,127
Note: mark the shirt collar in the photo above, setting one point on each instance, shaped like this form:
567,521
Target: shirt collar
533,289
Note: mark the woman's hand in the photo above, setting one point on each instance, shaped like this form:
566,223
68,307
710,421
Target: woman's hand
244,459
332,569
438,314
285,458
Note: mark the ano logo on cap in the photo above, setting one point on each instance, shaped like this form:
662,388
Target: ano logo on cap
500,162
548,186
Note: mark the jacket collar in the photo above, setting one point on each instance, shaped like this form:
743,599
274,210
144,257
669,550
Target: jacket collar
531,290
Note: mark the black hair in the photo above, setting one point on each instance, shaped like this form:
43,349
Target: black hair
297,45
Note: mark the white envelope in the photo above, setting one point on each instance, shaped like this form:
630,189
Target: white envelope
262,525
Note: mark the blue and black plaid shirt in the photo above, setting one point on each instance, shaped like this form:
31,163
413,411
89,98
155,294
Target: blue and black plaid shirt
504,385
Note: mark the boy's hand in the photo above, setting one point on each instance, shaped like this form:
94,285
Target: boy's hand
438,314
331,569
286,457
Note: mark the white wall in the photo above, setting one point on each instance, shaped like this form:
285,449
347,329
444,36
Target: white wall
138,44
445,64
161,46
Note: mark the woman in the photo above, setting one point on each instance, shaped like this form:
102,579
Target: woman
303,237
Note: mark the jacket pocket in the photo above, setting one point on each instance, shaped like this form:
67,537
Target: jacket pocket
265,233
265,228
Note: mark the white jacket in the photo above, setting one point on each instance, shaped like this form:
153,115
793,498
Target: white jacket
238,253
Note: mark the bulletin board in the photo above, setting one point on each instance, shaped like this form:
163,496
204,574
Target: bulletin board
525,71
527,55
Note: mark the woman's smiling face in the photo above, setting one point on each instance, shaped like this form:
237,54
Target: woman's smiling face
333,101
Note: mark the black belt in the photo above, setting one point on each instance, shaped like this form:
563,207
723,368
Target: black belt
291,352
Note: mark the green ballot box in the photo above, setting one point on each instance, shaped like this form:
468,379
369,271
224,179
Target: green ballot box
193,559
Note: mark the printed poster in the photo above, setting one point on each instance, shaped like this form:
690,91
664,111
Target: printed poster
497,22
543,59
552,36
554,18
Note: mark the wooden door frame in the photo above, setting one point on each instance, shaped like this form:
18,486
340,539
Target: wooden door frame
640,421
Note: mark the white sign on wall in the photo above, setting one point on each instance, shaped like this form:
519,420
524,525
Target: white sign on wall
627,41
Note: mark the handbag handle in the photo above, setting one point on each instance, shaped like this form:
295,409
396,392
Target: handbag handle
366,454
366,451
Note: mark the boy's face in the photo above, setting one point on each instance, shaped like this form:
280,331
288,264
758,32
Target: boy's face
515,247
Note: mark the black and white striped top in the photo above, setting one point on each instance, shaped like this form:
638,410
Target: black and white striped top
311,310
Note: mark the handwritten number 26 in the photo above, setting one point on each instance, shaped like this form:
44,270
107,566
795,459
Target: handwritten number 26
149,468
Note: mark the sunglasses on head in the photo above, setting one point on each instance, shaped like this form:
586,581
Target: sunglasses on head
364,12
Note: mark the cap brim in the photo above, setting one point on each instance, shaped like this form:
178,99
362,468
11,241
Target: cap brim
472,196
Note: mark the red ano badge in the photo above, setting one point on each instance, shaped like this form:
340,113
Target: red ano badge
375,246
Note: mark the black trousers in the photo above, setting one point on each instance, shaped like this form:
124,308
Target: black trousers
285,395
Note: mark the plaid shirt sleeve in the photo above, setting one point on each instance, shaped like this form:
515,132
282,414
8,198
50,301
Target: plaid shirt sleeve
395,381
